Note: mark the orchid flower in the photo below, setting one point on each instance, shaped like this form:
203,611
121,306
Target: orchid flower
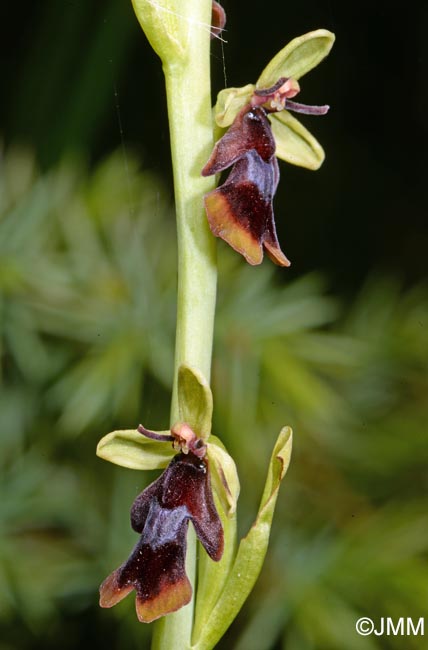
240,211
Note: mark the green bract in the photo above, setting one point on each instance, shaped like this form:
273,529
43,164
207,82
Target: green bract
169,24
224,589
224,475
195,401
212,576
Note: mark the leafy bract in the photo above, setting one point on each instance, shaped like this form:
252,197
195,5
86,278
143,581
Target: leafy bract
170,25
195,402
224,475
212,576
251,552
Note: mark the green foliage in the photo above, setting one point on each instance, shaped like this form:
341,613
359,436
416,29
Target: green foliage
87,285
245,568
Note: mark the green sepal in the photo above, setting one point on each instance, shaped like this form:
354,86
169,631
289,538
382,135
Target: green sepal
294,143
297,57
229,102
131,449
195,401
212,576
251,552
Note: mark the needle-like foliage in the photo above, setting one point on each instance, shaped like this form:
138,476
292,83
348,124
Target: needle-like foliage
86,262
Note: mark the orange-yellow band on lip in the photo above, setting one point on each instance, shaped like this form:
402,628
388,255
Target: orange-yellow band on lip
225,225
111,593
171,598
276,254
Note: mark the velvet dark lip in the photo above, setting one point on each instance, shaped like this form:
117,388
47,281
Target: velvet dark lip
161,514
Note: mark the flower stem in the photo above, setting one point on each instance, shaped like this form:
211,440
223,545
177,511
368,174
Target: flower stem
188,90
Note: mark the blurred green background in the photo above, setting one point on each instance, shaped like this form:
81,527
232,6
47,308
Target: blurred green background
336,346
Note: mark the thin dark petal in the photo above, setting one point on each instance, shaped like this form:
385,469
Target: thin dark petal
306,109
250,130
218,19
154,435
266,92
273,99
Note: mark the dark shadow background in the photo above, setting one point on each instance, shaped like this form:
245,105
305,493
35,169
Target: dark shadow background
81,76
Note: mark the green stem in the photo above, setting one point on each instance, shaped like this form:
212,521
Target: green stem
189,110
191,142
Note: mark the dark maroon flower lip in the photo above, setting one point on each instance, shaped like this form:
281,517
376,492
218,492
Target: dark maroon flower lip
161,514
240,211
250,130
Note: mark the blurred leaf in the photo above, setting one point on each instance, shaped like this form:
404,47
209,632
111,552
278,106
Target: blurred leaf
87,317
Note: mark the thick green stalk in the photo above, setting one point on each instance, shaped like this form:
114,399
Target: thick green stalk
189,110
